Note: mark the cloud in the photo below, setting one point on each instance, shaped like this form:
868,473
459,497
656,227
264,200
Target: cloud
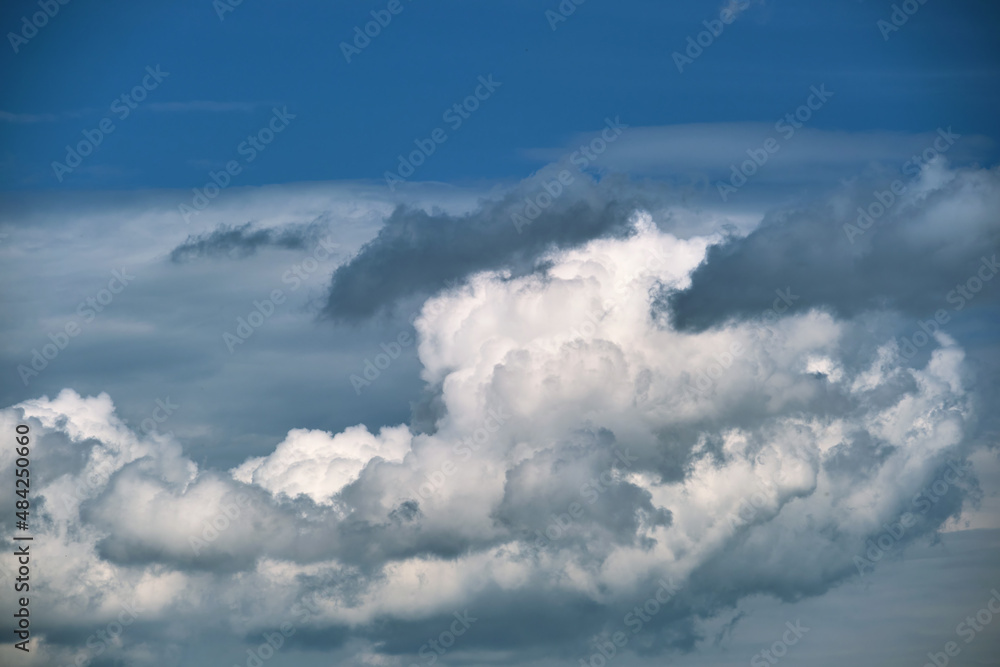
30,118
164,107
836,255
239,241
737,7
9,117
204,105
319,465
419,253
583,451
811,155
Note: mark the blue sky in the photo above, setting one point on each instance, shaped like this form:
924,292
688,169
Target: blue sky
353,119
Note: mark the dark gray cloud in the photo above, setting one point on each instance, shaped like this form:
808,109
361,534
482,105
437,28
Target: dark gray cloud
239,241
909,258
419,253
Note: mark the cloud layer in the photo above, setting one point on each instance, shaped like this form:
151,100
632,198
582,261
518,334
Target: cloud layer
583,451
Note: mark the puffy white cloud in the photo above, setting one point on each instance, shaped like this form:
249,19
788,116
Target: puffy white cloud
583,448
319,465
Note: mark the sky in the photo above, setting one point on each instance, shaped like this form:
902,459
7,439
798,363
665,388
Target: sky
508,333
354,118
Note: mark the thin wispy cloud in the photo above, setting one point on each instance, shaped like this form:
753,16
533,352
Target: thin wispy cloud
204,106
30,118
737,7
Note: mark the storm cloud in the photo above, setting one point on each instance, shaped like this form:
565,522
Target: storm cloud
914,255
419,253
